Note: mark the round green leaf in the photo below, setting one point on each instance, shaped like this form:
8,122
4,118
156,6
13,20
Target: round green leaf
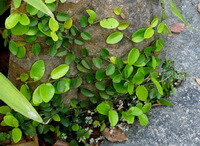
70,58
154,22
31,10
114,38
79,41
36,98
62,86
68,23
56,118
24,20
13,47
4,109
97,62
146,107
104,53
83,21
16,135
110,69
85,63
62,17
158,86
92,15
113,117
37,70
143,120
123,25
109,23
120,88
53,25
138,36
75,127
47,92
36,49
117,11
161,27
133,56
100,86
12,20
87,92
54,36
25,91
142,93
17,3
135,111
86,36
19,29
21,52
127,71
59,71
149,33
100,74
103,108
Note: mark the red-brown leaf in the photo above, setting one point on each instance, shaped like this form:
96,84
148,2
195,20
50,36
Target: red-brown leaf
198,81
178,27
61,143
115,136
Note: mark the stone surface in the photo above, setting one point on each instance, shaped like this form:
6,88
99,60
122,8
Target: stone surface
177,125
138,12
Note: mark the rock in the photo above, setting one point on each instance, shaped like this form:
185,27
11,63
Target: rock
177,27
138,13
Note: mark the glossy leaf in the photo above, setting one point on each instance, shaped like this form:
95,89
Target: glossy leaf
109,23
68,23
149,33
103,108
13,47
117,11
36,49
110,69
138,36
5,109
53,25
62,86
158,86
142,93
133,56
12,20
46,92
97,62
100,86
92,15
24,20
146,108
114,38
59,71
83,21
128,118
113,117
16,135
86,36
87,92
21,52
143,120
165,102
123,25
62,17
104,53
37,70
21,104
135,111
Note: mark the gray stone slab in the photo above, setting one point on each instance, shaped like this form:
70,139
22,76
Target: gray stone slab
177,125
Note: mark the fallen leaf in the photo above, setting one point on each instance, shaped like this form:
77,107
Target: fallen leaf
114,135
61,143
122,15
177,27
198,81
198,7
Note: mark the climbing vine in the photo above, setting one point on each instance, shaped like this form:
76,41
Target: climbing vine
122,89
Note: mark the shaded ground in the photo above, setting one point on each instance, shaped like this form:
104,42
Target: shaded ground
178,125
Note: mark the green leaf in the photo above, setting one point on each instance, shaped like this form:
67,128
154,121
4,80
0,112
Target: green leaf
13,47
114,37
12,20
117,78
142,93
100,86
47,92
70,58
13,98
11,121
24,20
59,71
120,88
87,92
143,120
154,22
128,118
37,70
158,86
165,102
117,11
128,70
130,88
31,10
75,127
56,118
36,98
62,17
76,82
109,23
123,25
146,108
104,53
154,62
100,74
133,56
39,4
135,111
68,23
79,41
53,25
97,62
113,117
161,27
62,86
110,69
36,49
85,63
104,95
159,45
25,91
83,21
138,36
19,29
5,109
16,135
17,3
92,15
21,52
86,36
103,108
149,33
138,77
3,6
177,13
